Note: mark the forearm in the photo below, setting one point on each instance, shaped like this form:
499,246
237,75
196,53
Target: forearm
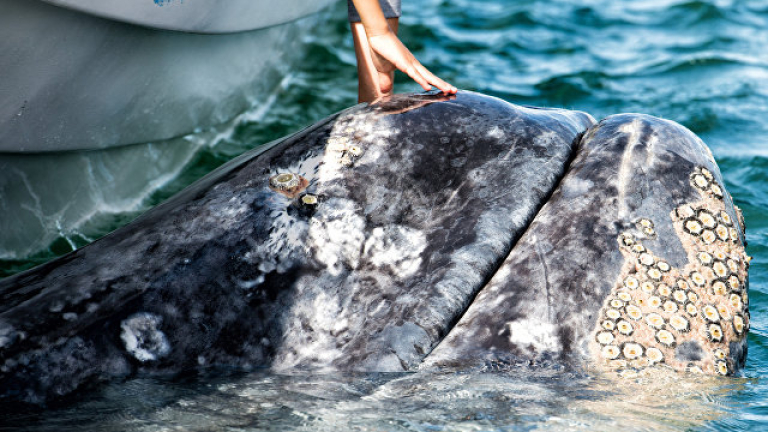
372,17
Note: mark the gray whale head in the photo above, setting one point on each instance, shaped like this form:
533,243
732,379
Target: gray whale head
420,231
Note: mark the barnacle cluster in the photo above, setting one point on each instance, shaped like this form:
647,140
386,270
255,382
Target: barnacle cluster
655,307
346,145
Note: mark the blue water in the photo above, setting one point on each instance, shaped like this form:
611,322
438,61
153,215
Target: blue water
700,63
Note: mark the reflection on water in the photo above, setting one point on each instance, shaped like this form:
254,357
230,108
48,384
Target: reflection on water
520,399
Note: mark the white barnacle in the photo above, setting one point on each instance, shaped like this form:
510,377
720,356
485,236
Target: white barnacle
654,355
670,306
634,312
691,310
666,338
735,300
649,232
608,325
284,181
692,226
720,269
612,314
738,324
610,352
698,279
722,368
680,296
632,350
714,333
356,151
645,223
704,258
309,199
631,282
725,218
679,323
605,338
707,219
706,173
646,259
719,288
722,232
693,297
734,235
617,304
708,236
699,181
734,283
626,239
638,248
663,266
655,274
719,354
716,190
724,312
664,290
655,321
682,284
142,337
710,313
654,302
624,327
720,255
733,266
648,287
685,211
624,296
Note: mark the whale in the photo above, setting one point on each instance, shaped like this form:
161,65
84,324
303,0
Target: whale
420,231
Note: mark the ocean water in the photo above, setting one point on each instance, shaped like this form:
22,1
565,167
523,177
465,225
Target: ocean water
701,63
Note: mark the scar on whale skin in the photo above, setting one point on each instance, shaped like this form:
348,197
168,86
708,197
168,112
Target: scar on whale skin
688,318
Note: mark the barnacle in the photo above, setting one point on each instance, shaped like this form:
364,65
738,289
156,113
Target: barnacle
670,306
679,323
655,321
617,304
692,226
608,325
719,288
725,218
638,248
626,239
738,324
605,338
698,279
654,355
721,367
680,296
733,265
716,191
693,297
648,287
664,290
691,310
684,211
624,327
710,313
654,302
707,219
624,296
666,338
633,312
722,232
719,354
610,352
736,301
704,258
631,282
655,274
646,259
631,350
699,181
714,333
663,266
734,283
613,314
720,269
708,236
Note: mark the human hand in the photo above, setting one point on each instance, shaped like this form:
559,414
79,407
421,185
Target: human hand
389,53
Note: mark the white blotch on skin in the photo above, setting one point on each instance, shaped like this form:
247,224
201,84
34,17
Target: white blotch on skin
337,234
142,337
397,248
532,332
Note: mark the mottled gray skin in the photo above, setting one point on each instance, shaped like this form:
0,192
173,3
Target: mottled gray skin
543,303
231,272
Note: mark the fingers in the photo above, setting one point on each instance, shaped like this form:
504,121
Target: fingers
435,81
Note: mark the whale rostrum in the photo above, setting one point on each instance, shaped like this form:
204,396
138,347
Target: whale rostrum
421,231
